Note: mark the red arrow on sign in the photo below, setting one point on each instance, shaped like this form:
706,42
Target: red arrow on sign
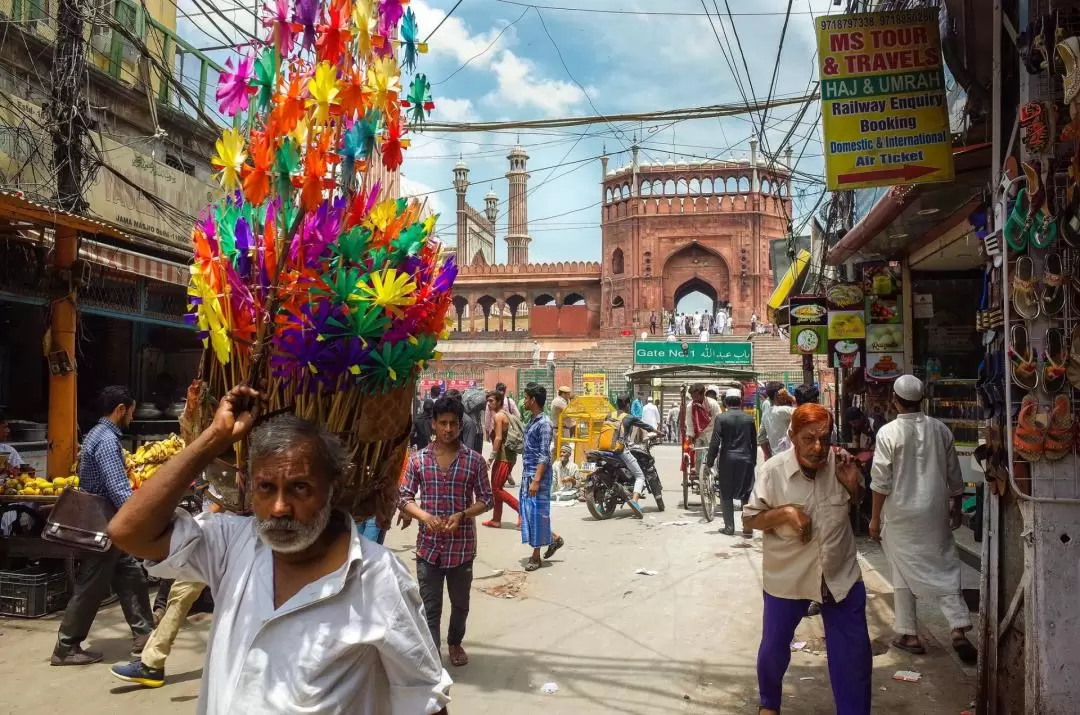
907,172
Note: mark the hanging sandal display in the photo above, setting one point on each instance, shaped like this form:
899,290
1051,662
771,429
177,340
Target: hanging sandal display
1016,225
1060,430
1055,360
1072,366
1024,299
1030,434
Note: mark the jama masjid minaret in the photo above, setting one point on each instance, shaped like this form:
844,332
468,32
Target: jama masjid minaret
517,228
461,185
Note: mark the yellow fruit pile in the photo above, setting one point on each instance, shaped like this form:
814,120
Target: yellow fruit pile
148,457
27,485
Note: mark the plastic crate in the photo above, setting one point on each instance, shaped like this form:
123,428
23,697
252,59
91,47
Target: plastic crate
32,594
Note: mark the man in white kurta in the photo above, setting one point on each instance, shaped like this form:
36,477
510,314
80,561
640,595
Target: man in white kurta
915,477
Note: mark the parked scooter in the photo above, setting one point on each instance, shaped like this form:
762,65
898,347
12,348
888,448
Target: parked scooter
611,484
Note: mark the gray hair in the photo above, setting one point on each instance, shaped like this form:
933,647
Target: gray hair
281,433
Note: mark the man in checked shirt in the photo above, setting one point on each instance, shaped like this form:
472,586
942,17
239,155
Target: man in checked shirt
453,486
102,472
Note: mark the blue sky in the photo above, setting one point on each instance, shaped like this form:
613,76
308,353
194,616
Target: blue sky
614,63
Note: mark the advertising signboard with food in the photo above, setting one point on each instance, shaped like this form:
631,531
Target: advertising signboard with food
847,325
809,324
883,286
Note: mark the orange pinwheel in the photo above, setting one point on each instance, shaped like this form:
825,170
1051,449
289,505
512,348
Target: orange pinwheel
334,34
354,97
317,172
257,176
288,107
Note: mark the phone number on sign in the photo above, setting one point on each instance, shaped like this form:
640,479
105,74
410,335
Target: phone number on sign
853,22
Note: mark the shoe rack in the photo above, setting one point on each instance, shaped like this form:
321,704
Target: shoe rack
1044,160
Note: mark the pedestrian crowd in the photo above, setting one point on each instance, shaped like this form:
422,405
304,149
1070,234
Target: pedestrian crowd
295,563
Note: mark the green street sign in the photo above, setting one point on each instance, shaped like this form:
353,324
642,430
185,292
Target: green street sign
648,352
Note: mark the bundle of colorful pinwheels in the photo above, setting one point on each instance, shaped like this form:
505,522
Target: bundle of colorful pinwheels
311,278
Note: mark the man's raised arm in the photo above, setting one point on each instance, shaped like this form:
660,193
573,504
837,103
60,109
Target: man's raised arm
143,526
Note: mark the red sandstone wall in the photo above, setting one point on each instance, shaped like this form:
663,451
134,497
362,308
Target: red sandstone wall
564,321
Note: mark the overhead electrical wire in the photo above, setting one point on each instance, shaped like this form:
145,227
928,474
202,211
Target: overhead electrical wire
601,11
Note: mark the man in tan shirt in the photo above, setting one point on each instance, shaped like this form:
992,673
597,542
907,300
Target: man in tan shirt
801,501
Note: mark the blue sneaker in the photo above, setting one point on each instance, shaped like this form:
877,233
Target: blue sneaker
636,508
137,672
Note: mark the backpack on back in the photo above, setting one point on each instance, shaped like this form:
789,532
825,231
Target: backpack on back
515,434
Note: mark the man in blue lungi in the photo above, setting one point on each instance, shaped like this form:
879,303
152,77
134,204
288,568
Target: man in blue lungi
535,499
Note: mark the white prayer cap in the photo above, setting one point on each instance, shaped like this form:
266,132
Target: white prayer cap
908,387
733,392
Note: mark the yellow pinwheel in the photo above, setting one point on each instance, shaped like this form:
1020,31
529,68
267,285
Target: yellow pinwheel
383,80
381,216
211,317
389,289
324,91
363,18
229,159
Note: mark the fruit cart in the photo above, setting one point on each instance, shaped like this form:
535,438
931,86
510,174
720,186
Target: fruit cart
28,589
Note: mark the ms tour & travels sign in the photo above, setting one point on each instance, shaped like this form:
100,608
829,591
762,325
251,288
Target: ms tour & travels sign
718,354
884,107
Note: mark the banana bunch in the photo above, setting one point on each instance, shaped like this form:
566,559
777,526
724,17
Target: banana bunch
141,473
157,452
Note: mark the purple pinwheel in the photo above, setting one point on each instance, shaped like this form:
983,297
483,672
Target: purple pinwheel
306,14
244,242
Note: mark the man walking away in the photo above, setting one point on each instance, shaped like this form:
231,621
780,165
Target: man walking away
775,418
453,487
801,501
652,323
733,449
102,472
536,481
915,476
503,456
650,414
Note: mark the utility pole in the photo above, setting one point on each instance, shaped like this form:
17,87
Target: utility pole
68,111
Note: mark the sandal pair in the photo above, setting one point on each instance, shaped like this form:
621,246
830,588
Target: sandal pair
1032,217
1035,438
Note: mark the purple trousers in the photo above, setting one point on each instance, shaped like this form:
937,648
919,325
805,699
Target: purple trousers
847,643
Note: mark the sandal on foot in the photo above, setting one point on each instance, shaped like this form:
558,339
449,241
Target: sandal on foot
458,656
1060,430
492,524
532,565
899,644
1056,358
1023,295
1029,435
1053,286
553,547
1025,371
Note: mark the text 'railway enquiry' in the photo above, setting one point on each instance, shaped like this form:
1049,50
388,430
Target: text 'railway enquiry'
884,108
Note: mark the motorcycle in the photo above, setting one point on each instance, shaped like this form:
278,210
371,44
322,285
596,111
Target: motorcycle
611,484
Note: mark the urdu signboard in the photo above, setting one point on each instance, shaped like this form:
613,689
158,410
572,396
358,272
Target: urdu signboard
715,354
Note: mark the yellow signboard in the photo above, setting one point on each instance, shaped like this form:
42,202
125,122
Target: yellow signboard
883,105
595,383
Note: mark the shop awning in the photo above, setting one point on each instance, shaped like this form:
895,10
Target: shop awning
791,278
905,215
135,263
712,371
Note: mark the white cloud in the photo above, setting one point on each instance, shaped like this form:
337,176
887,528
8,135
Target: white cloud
454,39
448,109
519,86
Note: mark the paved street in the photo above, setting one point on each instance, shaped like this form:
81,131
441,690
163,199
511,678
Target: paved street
681,641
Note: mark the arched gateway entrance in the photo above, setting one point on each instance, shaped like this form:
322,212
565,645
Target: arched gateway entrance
696,279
